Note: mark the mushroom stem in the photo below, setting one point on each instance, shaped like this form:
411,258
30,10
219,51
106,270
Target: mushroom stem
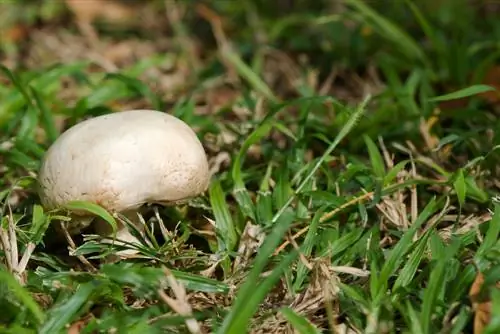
123,232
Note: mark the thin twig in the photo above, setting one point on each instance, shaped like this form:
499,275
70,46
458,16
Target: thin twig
13,239
8,240
325,217
4,238
301,256
72,247
30,248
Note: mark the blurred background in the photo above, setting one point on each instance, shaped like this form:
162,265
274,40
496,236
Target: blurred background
457,39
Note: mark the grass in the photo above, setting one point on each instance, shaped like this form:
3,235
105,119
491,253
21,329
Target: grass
354,150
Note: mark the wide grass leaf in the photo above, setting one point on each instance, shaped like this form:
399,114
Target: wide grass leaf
22,294
460,187
226,229
435,287
240,191
492,234
93,209
65,311
399,251
408,271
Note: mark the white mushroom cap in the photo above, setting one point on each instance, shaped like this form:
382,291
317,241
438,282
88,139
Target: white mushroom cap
124,160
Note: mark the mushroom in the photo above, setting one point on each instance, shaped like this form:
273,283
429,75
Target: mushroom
122,161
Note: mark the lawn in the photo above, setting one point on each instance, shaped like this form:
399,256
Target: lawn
352,147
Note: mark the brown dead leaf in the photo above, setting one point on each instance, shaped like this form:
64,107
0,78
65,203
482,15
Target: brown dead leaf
90,10
180,304
208,14
454,104
481,303
431,140
492,78
119,52
76,327
15,33
221,96
86,12
219,161
251,239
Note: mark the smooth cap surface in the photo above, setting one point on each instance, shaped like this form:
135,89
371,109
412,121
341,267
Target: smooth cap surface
124,160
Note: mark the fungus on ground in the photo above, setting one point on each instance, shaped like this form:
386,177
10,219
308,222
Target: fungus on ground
122,161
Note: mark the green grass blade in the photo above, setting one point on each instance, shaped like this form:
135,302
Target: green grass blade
307,247
47,118
226,229
39,224
389,30
460,94
22,294
239,323
434,288
93,209
199,283
460,187
248,74
237,318
414,321
491,235
18,84
394,171
375,157
398,252
240,191
137,86
298,322
350,124
61,314
264,202
410,268
424,24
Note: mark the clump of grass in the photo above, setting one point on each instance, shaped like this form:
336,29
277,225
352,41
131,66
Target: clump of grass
354,160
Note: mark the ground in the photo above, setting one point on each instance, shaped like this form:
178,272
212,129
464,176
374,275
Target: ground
352,146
